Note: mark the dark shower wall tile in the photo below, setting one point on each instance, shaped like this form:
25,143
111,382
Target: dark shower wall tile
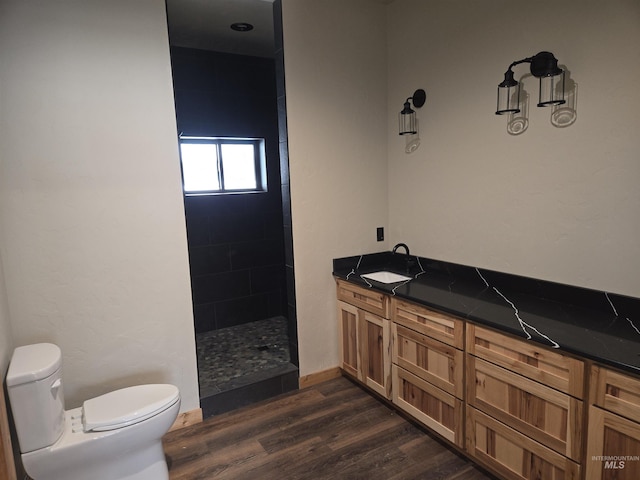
240,310
197,230
257,254
292,332
291,285
288,246
204,317
209,259
277,303
273,225
286,206
232,227
267,279
284,162
221,286
282,119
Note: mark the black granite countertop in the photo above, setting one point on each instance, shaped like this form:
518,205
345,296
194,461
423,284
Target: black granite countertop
601,326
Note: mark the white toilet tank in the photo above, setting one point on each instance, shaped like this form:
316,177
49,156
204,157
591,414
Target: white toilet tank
34,385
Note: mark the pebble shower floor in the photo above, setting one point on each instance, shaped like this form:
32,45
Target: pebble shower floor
230,355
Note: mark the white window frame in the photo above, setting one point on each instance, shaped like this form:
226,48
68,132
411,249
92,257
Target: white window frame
259,163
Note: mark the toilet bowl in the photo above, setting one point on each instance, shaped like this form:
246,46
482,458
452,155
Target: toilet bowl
116,436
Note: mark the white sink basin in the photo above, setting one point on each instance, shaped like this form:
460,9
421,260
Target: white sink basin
386,277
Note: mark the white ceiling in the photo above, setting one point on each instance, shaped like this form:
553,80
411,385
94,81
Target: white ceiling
205,25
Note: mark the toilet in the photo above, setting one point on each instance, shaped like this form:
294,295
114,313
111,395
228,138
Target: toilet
116,436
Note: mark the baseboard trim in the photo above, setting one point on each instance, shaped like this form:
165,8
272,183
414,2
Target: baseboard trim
319,377
186,419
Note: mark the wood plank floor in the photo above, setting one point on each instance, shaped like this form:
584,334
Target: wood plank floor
334,430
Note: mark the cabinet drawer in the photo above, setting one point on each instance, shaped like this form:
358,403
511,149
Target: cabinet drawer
616,392
437,325
512,454
433,407
364,298
616,439
559,371
542,413
429,359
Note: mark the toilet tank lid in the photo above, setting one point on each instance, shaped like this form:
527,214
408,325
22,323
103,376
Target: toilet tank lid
127,406
31,363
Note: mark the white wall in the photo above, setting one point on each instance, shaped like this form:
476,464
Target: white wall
556,204
336,88
93,236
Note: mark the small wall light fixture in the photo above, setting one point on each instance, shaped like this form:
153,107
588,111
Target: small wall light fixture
544,66
407,117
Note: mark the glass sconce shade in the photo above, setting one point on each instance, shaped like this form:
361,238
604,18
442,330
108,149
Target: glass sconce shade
552,89
508,95
407,123
508,100
407,120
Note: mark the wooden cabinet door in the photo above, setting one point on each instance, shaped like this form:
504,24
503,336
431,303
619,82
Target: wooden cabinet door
429,359
434,408
513,455
349,339
551,417
365,347
375,347
613,447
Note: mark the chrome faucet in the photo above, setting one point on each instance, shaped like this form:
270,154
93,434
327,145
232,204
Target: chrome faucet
401,245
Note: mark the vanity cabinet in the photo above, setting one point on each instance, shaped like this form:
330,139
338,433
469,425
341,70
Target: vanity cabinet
365,336
518,408
613,446
427,370
525,406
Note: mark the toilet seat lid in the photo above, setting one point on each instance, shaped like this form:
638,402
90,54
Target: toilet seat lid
127,406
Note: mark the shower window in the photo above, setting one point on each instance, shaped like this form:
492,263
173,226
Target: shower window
214,165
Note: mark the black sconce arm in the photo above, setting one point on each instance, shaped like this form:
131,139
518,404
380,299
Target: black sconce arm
543,64
524,60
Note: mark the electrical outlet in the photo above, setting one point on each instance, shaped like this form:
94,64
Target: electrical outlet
380,234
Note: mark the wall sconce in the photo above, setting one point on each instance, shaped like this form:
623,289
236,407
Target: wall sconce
407,117
544,66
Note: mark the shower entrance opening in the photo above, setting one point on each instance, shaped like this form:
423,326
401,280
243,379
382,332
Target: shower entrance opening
230,117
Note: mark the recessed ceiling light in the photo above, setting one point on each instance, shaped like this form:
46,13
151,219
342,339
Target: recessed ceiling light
241,27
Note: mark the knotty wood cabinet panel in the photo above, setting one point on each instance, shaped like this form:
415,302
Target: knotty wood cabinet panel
366,299
433,407
513,455
376,353
551,368
437,325
552,418
349,339
615,438
365,347
616,392
429,359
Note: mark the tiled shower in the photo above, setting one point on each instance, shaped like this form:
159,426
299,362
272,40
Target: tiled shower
242,279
